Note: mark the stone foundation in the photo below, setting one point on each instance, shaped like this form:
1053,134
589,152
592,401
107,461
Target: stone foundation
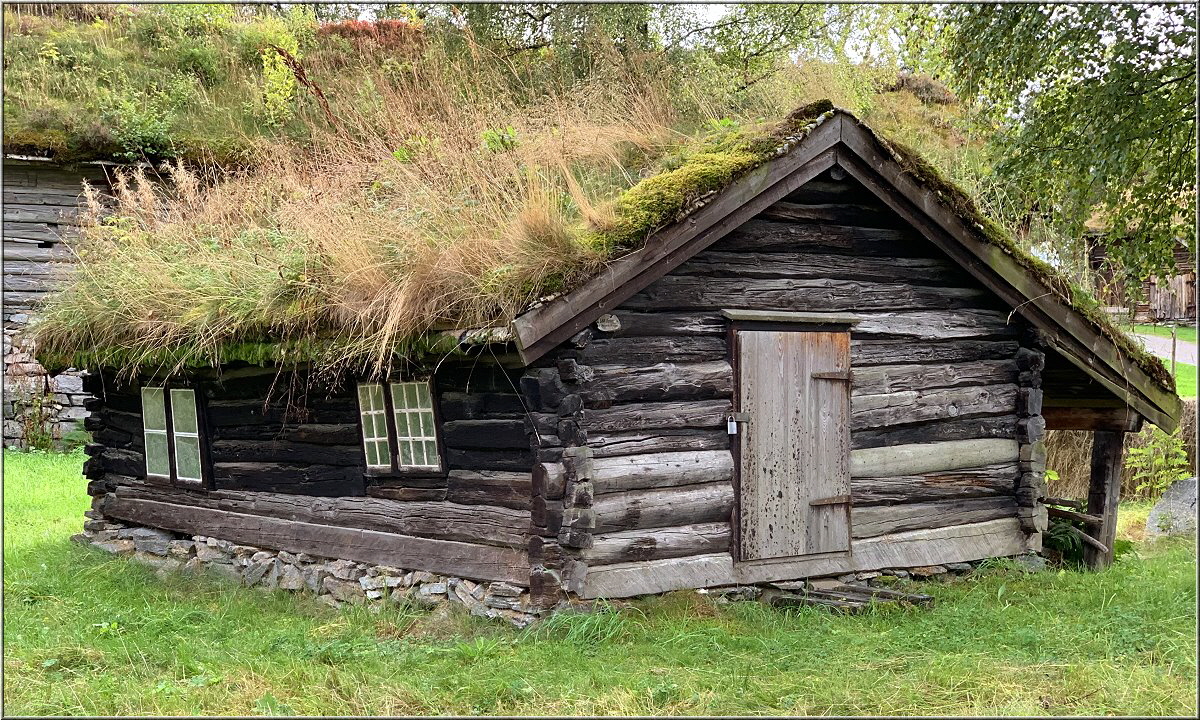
40,410
335,582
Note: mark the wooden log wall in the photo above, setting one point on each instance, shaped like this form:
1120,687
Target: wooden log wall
939,373
291,467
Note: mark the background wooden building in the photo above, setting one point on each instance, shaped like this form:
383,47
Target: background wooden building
830,366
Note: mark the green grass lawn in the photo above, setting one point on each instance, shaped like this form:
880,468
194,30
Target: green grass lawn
86,633
1185,379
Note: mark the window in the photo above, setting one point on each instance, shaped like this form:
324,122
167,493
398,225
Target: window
398,428
171,425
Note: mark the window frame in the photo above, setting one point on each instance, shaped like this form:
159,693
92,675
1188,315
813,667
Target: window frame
395,469
201,435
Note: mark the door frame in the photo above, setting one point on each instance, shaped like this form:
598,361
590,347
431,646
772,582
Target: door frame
772,321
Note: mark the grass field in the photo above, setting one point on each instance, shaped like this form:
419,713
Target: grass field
1185,379
86,633
1185,333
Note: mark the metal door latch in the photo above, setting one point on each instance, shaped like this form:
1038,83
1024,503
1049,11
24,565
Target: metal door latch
733,420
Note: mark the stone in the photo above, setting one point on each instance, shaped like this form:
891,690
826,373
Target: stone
82,538
374,595
501,602
824,584
391,581
503,589
438,588
291,578
304,558
225,570
314,579
222,545
371,583
899,573
288,557
67,383
866,575
926,571
260,556
256,570
271,580
209,553
421,576
119,547
1175,512
193,565
959,567
98,525
846,578
148,539
345,570
105,535
181,549
1030,563
161,565
344,591
377,570
519,620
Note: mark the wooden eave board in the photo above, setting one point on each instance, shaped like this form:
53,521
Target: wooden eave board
840,140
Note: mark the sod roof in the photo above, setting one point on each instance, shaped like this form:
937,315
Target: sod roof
647,208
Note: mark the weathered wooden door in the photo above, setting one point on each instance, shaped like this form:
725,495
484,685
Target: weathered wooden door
794,411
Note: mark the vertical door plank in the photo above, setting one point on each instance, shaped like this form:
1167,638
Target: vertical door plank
795,445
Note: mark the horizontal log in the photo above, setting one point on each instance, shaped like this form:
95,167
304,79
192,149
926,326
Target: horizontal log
764,235
461,559
300,478
823,295
479,405
243,451
640,509
780,265
872,411
658,470
407,494
921,458
312,433
700,414
658,440
549,480
885,519
41,213
615,384
485,460
885,379
658,543
489,487
31,252
1085,418
334,411
486,434
999,426
958,543
651,349
986,481
865,351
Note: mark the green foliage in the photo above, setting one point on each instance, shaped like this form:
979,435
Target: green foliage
1093,109
500,140
1160,463
1060,536
89,634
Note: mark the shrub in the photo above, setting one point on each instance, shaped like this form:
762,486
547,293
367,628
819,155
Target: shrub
1159,463
393,37
201,60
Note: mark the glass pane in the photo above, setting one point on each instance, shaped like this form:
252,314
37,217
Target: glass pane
183,411
397,396
427,424
410,395
187,458
402,424
423,395
157,460
431,455
154,410
380,426
406,453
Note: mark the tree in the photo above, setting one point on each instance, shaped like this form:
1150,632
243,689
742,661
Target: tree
1094,112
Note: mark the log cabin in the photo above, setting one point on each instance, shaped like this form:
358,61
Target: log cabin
834,364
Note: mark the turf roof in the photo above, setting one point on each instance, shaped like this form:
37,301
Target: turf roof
648,206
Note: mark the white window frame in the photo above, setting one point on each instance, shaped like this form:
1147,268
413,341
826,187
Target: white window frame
411,423
368,412
172,398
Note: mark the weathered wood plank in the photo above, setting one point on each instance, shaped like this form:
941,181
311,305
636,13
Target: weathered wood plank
640,509
489,525
248,451
825,295
764,235
490,487
986,481
959,543
314,433
657,440
614,384
700,414
1001,426
865,352
658,470
872,411
877,520
486,434
1091,418
478,562
779,265
299,478
920,458
652,349
885,379
1104,494
658,543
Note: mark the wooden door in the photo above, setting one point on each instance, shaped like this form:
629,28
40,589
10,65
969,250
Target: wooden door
794,480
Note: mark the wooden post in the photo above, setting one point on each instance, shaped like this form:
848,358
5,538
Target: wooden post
1104,493
1174,338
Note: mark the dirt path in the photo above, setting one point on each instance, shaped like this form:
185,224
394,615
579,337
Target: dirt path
1185,352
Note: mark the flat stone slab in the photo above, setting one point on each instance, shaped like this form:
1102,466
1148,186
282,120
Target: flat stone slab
1175,512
